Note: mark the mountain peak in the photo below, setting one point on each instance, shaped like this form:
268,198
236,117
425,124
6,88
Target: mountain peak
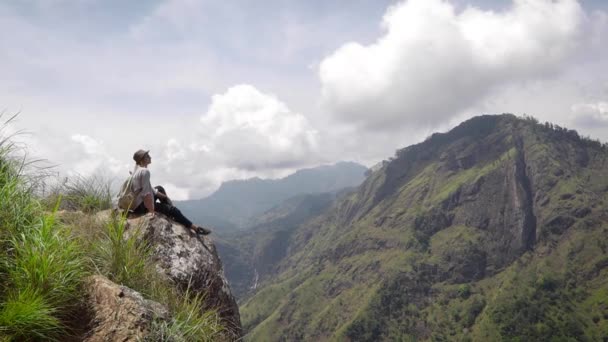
498,215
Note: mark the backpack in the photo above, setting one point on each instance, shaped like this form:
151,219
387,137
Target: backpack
127,196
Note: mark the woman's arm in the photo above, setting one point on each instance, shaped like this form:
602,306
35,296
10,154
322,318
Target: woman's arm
147,191
149,203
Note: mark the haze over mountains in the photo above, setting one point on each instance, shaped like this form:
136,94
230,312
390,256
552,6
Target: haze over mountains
236,202
495,230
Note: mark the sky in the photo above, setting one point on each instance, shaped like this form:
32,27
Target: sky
221,90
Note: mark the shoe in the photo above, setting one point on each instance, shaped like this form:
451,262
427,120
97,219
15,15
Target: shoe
202,231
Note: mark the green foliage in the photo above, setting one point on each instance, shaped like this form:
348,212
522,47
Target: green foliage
87,194
464,291
41,266
126,260
48,260
26,315
43,260
190,321
452,205
123,259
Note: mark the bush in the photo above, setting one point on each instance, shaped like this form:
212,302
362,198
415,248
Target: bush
547,282
464,291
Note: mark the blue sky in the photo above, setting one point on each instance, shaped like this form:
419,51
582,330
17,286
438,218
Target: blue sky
235,89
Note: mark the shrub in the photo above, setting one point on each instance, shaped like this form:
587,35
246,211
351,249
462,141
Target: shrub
464,291
547,282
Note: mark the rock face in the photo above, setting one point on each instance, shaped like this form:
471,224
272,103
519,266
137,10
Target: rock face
120,314
190,262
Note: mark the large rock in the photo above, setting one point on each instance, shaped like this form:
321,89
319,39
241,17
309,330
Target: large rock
189,261
119,313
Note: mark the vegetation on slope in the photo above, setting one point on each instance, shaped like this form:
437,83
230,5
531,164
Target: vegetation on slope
495,230
45,256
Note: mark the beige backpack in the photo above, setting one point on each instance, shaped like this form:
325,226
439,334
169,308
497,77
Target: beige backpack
126,195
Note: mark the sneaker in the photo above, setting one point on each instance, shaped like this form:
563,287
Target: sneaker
202,231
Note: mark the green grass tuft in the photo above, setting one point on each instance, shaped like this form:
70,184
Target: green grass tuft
27,316
122,259
49,260
190,321
87,194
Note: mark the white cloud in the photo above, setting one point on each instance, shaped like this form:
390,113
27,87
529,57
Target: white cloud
155,70
433,62
92,158
252,130
591,114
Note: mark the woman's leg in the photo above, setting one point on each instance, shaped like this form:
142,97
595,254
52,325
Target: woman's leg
140,210
162,191
173,213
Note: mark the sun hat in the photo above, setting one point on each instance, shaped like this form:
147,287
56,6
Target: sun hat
139,155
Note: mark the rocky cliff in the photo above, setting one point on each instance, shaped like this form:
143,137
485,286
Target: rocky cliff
187,261
494,230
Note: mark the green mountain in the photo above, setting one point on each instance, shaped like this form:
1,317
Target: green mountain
495,230
251,256
236,203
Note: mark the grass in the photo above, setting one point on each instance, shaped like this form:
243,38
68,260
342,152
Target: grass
88,194
47,259
122,259
40,263
127,260
190,321
26,315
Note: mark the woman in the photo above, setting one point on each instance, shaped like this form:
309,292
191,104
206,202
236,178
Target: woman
145,202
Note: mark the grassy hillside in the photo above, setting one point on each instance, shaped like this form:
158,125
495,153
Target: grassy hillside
46,255
496,230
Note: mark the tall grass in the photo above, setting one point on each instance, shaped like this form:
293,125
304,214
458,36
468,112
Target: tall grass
41,267
124,260
49,260
26,315
188,324
85,193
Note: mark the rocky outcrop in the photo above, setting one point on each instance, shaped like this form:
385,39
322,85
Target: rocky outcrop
119,313
190,262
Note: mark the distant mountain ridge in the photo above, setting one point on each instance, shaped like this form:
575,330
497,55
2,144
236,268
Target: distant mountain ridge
496,230
236,202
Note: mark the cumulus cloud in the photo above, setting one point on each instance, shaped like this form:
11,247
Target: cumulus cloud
92,157
591,114
433,62
243,133
253,130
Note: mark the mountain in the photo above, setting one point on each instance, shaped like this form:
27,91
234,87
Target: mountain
236,202
495,230
251,256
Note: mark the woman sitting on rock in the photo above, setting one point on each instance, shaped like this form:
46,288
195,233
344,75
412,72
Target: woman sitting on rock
145,202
